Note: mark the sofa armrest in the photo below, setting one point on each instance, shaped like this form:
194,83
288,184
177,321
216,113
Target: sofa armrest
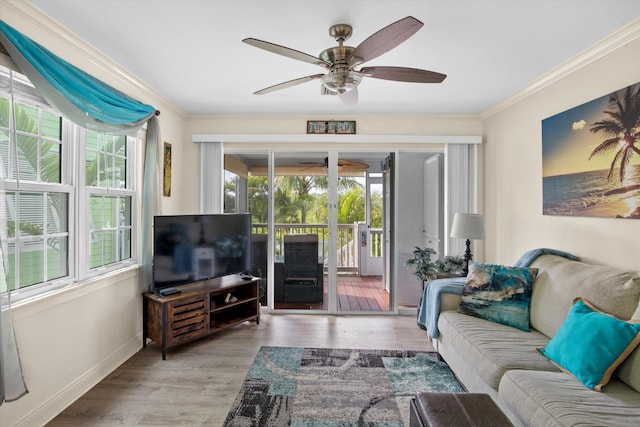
432,300
449,302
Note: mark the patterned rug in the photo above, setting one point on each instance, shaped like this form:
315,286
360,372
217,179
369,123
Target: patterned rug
302,387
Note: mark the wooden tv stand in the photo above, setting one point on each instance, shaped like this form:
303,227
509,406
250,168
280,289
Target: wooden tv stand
200,309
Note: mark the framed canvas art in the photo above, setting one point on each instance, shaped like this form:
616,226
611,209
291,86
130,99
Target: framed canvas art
591,158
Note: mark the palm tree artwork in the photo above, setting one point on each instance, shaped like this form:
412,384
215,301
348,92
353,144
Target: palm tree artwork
591,158
621,131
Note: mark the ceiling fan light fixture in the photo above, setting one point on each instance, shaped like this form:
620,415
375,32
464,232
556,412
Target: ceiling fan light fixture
340,82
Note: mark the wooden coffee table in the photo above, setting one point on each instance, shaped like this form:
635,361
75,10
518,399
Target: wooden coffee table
455,410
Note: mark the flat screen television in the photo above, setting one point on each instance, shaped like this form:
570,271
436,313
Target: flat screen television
188,248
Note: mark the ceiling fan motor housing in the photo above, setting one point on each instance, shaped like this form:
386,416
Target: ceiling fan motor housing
340,79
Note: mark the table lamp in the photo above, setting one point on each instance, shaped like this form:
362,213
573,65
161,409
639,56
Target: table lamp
470,227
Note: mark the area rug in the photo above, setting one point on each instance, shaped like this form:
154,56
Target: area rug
302,387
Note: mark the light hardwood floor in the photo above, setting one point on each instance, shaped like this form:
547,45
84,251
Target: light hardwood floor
199,381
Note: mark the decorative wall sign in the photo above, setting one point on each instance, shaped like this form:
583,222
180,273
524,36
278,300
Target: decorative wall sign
331,126
590,158
166,175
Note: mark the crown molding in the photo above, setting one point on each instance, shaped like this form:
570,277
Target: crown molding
43,29
614,41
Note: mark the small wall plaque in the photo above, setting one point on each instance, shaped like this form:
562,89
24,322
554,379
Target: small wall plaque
331,126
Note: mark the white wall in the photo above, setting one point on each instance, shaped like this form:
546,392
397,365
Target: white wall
71,339
410,217
513,169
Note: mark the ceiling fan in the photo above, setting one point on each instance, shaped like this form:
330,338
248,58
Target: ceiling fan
342,77
343,165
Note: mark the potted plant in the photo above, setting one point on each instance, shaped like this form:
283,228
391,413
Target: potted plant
423,267
449,266
426,269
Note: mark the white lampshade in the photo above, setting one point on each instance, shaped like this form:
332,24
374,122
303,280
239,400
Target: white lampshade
467,226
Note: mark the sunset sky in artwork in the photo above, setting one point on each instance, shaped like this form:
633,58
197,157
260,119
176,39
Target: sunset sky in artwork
567,140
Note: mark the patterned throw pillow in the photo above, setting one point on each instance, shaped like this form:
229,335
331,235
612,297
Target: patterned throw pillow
591,344
498,293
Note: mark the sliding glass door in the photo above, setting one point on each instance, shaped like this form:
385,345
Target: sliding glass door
317,227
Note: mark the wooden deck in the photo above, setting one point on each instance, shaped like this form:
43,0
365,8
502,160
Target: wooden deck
355,293
358,293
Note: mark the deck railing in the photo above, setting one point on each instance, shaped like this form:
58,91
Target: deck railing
375,247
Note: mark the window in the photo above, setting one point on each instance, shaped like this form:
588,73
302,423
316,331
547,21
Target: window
58,231
109,198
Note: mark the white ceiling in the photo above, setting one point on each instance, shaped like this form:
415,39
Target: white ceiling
191,52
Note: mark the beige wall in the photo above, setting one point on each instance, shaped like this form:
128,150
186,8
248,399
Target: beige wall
513,171
69,341
371,124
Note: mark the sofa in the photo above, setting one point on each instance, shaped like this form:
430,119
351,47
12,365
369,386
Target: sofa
507,363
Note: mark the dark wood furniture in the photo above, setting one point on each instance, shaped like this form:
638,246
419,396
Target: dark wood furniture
304,292
200,309
455,409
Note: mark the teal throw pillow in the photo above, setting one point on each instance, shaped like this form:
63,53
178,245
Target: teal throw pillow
591,344
498,293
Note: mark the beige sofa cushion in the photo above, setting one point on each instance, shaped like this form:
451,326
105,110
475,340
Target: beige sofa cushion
560,281
548,399
489,348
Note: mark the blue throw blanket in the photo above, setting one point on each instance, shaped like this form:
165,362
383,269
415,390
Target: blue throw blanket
430,305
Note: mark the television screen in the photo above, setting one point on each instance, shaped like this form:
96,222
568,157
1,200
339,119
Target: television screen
189,248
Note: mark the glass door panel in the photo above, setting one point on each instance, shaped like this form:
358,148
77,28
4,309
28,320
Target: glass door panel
360,286
246,189
300,231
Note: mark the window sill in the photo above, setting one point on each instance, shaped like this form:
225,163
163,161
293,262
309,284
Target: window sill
32,304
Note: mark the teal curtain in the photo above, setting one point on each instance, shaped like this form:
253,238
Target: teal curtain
93,105
151,182
82,98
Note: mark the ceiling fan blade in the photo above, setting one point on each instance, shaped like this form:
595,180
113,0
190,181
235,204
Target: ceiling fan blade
350,97
347,165
385,39
402,74
285,51
287,84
